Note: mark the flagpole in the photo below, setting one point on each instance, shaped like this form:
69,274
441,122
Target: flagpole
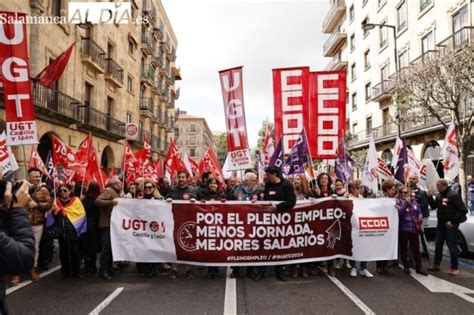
24,160
123,166
87,163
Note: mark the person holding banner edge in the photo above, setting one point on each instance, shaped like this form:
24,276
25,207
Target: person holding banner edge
276,189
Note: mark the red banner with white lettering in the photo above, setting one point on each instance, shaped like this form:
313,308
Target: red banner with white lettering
327,112
233,96
20,112
291,105
220,233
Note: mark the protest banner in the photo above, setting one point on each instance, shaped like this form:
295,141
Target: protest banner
242,233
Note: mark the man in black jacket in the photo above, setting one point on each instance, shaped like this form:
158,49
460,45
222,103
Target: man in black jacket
451,212
277,189
17,243
423,200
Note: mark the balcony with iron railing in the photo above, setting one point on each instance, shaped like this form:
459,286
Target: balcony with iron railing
381,91
150,12
157,58
54,106
114,73
148,75
424,57
337,62
337,10
173,54
464,37
159,29
157,87
146,107
334,43
93,55
102,123
148,43
167,45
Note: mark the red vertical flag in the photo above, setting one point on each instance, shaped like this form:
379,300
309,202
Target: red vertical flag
19,109
327,112
52,72
173,161
291,105
210,163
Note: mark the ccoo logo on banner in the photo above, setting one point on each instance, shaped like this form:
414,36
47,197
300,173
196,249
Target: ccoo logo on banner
20,113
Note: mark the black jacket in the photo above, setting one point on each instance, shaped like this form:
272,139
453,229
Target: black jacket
17,247
208,195
178,193
450,207
423,200
282,191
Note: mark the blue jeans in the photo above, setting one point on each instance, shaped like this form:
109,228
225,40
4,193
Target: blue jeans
363,264
448,235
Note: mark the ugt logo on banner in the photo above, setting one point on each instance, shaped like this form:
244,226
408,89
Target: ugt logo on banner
20,113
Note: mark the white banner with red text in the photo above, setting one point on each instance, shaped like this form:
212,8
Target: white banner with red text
236,233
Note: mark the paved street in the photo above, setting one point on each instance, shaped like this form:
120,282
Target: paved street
396,293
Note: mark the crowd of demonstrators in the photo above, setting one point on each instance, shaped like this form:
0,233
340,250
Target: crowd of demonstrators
82,215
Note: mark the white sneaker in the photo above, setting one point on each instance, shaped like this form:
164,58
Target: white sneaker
348,265
365,273
354,272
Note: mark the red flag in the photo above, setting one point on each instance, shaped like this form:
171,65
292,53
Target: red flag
195,167
173,161
37,162
55,69
82,157
158,168
268,146
209,163
130,163
93,170
143,156
63,154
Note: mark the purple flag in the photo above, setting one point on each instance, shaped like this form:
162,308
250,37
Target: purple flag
344,162
51,171
299,155
402,164
278,159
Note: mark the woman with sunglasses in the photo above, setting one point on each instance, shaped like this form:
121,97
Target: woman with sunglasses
71,220
410,222
149,192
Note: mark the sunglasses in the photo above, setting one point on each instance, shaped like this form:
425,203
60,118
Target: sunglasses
404,192
64,190
148,187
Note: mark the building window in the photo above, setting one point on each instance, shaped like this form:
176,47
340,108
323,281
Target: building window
383,33
56,8
192,128
403,59
402,16
424,4
368,125
352,42
88,92
353,71
192,153
129,84
460,20
367,59
354,100
364,30
384,72
131,47
129,118
427,43
351,13
354,128
368,91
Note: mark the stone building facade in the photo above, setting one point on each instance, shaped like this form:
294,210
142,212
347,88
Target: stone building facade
117,74
422,28
194,135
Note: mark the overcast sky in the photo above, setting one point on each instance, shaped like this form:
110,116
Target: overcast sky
259,35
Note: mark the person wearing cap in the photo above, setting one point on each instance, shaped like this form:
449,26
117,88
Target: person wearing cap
277,189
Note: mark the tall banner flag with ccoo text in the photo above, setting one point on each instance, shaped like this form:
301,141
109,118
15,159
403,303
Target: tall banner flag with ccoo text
20,112
233,96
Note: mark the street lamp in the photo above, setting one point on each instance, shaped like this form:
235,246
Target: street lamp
370,26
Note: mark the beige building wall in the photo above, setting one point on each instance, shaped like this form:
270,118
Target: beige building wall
107,81
194,135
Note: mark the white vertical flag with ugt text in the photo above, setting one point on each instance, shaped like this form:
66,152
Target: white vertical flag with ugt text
450,154
370,173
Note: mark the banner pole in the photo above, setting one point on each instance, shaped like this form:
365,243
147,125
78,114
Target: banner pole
87,163
24,160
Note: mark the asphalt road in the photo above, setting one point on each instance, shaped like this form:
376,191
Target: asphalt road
396,293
